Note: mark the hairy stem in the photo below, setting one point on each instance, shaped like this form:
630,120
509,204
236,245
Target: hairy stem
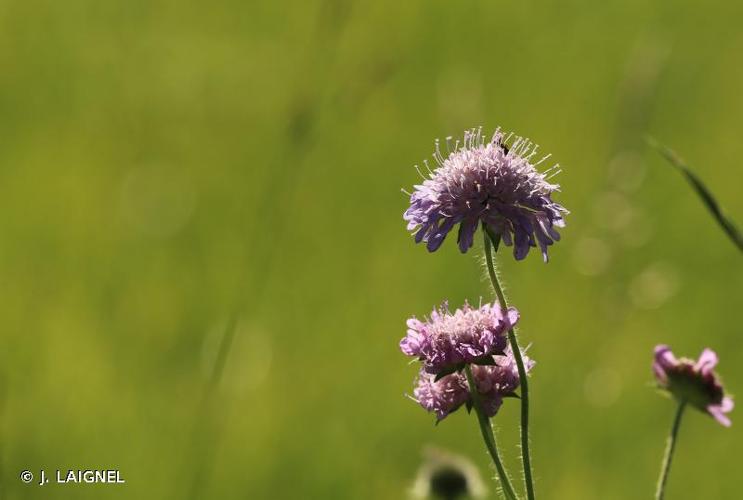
525,451
488,436
668,457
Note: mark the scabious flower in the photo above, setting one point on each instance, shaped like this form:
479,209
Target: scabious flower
443,396
495,381
693,382
446,341
490,183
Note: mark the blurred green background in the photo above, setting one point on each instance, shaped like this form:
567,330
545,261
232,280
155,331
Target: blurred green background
168,169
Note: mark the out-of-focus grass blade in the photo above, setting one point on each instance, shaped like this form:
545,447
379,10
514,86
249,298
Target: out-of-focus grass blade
727,225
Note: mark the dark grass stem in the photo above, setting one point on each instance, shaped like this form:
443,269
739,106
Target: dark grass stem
205,430
670,447
489,437
525,452
709,200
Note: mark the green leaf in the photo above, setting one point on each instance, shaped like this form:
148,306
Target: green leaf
494,238
707,198
486,360
448,371
512,395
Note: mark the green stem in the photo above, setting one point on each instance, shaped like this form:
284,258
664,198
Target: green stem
525,453
670,446
488,436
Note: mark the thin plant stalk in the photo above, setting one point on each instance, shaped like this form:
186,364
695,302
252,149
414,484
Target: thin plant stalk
203,435
489,437
670,447
525,450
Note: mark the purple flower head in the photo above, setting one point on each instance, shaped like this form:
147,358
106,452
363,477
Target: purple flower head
442,397
693,382
498,381
447,394
446,341
489,183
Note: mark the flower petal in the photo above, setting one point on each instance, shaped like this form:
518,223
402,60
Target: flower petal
718,414
707,361
467,230
664,357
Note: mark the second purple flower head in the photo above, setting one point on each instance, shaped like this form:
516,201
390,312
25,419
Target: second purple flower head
447,340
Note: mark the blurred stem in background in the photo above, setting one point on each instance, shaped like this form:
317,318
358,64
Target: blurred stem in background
525,454
709,200
488,436
203,434
670,447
